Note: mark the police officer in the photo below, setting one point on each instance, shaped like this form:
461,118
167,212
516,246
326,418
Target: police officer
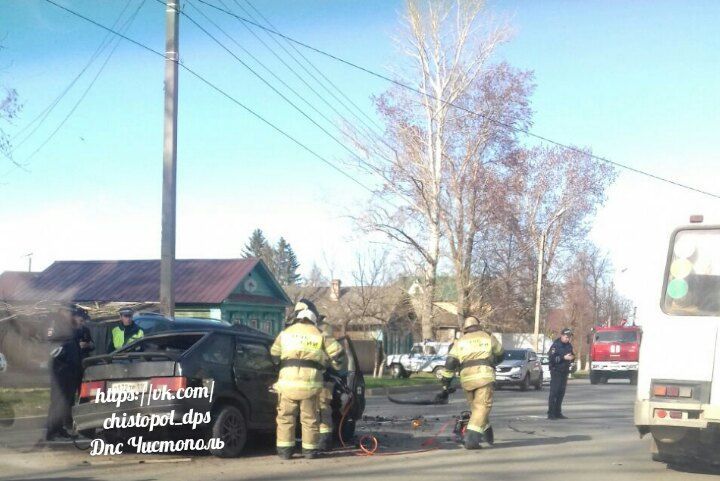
126,332
82,332
65,374
475,355
560,357
303,354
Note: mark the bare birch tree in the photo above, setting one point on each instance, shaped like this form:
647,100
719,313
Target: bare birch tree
447,45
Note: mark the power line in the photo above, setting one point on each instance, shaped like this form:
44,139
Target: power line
47,110
464,109
217,89
367,165
315,69
293,71
89,87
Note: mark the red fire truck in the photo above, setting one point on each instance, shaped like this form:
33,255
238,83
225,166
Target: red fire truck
614,353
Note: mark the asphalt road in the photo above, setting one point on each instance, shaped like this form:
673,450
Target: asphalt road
598,442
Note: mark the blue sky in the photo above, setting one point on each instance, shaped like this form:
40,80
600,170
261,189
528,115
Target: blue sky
635,81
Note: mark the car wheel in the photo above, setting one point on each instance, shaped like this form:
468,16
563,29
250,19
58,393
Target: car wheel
539,384
594,378
525,384
634,378
229,425
438,372
397,371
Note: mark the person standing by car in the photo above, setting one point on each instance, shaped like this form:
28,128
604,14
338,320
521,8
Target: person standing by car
475,355
326,394
126,332
303,353
65,374
560,356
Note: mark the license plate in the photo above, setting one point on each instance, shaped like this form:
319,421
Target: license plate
133,386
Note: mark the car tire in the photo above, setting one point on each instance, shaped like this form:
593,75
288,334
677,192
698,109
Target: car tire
633,378
594,378
525,384
230,426
539,384
438,372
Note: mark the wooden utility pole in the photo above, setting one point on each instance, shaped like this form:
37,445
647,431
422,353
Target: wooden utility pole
167,250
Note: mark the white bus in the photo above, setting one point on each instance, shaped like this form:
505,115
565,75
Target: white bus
678,397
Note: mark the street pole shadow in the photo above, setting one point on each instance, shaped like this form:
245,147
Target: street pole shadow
541,441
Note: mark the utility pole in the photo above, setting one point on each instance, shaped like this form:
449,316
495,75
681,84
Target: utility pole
167,250
29,256
538,291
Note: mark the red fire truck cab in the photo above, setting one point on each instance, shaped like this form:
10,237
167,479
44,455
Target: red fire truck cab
614,353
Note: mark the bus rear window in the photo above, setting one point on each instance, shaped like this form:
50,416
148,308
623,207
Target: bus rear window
616,336
692,276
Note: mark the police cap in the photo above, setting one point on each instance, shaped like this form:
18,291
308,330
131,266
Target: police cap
126,311
566,332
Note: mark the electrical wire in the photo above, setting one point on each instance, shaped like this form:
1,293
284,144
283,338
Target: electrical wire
47,110
218,90
466,110
88,88
369,167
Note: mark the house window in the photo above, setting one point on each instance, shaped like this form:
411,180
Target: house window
266,327
253,323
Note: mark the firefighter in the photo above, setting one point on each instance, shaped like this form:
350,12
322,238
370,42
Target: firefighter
475,355
126,332
303,354
560,357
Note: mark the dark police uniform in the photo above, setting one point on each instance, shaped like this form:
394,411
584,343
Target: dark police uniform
65,378
559,371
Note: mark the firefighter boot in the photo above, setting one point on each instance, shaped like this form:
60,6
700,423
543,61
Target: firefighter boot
284,453
310,453
489,436
326,442
472,439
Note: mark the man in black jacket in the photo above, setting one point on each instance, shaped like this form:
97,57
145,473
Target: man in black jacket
65,373
560,357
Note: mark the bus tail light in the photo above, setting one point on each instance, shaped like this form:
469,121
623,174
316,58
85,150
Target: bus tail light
662,390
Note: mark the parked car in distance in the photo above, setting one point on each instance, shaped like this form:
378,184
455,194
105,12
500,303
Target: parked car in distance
520,367
545,363
196,353
426,356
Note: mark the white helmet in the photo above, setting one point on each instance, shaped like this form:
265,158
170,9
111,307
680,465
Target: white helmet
306,314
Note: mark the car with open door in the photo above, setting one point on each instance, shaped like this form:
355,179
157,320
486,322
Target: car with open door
229,369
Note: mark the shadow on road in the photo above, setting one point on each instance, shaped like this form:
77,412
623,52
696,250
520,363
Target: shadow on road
694,469
541,441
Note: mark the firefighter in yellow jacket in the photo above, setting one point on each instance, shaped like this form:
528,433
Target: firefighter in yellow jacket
475,355
303,354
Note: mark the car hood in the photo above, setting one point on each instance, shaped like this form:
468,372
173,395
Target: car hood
511,364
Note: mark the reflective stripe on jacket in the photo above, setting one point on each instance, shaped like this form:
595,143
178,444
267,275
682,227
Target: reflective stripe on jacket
473,346
302,341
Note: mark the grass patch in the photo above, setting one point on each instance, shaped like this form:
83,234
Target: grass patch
581,374
414,380
23,402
